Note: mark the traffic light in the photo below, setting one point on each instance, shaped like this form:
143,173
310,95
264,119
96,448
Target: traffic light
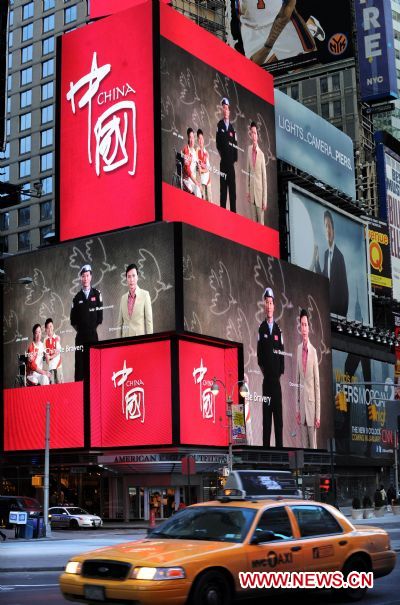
325,485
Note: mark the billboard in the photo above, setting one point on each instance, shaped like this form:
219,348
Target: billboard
223,295
379,255
376,51
25,417
366,416
313,145
55,289
106,125
309,32
332,243
223,180
130,395
388,164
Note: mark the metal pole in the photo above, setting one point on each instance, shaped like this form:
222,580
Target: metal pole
229,414
396,476
47,526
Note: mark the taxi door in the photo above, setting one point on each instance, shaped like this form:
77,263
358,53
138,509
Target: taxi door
324,544
283,552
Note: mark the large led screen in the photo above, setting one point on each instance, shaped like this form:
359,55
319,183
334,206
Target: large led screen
366,408
55,292
203,415
307,32
130,395
217,137
106,125
224,284
331,243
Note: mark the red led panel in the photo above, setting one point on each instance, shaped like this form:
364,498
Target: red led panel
130,395
106,125
25,417
203,419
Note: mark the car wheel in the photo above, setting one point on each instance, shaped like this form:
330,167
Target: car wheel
212,588
73,524
359,564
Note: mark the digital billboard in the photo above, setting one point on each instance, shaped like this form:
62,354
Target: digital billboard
55,291
388,168
106,125
366,413
287,36
203,415
312,144
219,167
376,50
379,255
330,242
130,395
224,285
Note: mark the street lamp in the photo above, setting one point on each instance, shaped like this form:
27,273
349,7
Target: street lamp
244,391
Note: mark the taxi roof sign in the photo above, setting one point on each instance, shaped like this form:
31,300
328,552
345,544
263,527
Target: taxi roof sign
263,483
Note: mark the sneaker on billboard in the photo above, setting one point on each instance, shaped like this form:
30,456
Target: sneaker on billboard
315,28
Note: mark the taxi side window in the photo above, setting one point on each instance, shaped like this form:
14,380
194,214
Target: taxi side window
315,521
275,519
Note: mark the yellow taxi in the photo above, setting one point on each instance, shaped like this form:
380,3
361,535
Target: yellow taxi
196,556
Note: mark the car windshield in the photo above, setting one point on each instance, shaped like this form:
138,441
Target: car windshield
75,510
218,523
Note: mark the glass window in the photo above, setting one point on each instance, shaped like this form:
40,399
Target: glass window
48,24
294,92
336,82
26,54
46,137
10,39
48,68
10,59
11,17
315,521
46,210
47,46
47,114
24,240
325,110
27,32
26,98
9,82
43,232
4,221
323,85
48,4
26,76
8,128
8,104
24,216
25,121
3,244
25,196
28,10
337,107
47,91
25,144
47,185
6,153
275,519
4,174
46,161
70,14
24,168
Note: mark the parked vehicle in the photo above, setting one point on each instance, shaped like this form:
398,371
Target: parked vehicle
72,517
20,503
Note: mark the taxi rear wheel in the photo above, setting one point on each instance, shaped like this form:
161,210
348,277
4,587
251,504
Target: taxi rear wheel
212,588
359,564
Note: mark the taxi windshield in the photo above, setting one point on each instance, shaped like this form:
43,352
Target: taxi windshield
219,523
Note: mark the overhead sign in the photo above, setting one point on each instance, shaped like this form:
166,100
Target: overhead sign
310,143
376,52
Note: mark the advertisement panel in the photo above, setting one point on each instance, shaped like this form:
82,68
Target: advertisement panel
366,416
376,51
25,417
388,164
203,415
379,255
224,284
106,130
217,137
130,395
55,291
311,32
310,143
332,243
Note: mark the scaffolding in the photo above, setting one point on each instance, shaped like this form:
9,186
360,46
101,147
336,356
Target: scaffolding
209,14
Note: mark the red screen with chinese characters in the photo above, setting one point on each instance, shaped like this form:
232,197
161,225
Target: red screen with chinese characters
203,419
106,125
25,416
130,395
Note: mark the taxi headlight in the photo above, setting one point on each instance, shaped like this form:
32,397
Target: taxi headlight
158,573
73,567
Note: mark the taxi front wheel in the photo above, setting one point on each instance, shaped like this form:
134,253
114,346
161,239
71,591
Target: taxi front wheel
212,588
